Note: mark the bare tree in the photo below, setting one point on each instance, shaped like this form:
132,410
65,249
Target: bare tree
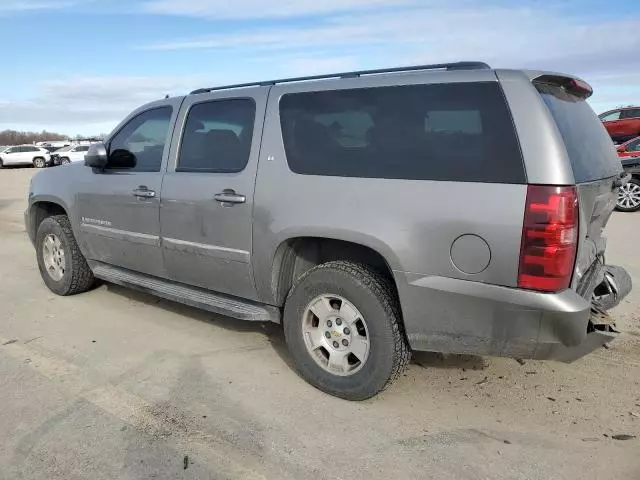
13,137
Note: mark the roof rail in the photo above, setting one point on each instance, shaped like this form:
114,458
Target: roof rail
435,66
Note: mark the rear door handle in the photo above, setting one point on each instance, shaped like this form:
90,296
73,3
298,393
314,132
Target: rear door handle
229,196
143,192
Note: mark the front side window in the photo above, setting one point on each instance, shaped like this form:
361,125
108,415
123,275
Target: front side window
610,117
217,136
448,132
83,148
141,141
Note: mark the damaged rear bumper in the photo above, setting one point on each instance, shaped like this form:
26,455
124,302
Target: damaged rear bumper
456,316
614,285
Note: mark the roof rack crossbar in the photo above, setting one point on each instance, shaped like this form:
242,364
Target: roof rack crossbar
436,66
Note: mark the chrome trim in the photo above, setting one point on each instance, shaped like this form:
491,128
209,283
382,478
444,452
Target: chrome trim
127,236
206,250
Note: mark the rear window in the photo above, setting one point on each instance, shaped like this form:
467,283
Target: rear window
457,132
588,144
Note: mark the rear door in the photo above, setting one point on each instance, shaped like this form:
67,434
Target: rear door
207,193
595,167
79,152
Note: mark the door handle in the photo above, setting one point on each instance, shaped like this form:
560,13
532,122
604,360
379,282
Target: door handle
143,192
229,196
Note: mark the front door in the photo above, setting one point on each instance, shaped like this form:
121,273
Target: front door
207,193
13,156
119,207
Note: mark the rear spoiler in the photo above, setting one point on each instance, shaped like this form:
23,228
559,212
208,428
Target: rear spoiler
572,85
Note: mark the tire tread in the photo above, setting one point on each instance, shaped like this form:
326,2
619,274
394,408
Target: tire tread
82,278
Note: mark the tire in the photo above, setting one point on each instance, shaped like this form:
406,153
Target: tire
64,161
1,163
375,301
76,276
39,162
629,196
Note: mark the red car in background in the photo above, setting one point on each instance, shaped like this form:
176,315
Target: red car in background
630,148
622,123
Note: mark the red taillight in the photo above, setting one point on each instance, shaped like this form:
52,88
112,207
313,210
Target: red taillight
549,238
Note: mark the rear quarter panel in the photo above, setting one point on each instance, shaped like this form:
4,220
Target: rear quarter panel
411,223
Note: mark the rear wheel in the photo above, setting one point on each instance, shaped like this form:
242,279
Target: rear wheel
343,328
62,266
64,161
629,196
39,162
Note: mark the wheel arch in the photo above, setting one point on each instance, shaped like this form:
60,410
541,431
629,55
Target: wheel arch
42,208
296,255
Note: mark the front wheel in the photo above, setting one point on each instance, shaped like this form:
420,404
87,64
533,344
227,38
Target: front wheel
342,325
64,161
629,196
39,162
62,266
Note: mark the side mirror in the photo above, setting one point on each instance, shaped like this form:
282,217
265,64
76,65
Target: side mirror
620,148
96,157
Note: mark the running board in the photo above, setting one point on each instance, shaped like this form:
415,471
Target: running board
192,296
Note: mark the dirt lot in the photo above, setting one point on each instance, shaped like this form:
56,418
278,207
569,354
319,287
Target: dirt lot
114,384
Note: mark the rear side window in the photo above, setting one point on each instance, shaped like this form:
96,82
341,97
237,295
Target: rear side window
630,113
588,144
456,132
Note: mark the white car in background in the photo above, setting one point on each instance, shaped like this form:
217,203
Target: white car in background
25,155
69,154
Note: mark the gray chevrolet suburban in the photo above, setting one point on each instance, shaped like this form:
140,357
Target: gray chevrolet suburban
452,208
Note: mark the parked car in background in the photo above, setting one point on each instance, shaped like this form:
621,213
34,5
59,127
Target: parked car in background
70,154
622,124
630,148
49,148
629,193
25,155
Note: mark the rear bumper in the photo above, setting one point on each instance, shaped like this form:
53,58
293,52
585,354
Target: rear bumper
457,316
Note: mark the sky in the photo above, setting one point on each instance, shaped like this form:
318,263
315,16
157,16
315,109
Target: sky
80,66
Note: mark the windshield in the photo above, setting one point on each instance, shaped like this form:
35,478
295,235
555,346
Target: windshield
591,151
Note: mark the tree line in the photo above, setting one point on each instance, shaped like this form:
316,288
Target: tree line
13,137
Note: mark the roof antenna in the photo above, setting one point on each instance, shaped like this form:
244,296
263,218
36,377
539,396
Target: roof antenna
166,96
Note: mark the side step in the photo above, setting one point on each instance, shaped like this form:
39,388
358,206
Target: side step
195,297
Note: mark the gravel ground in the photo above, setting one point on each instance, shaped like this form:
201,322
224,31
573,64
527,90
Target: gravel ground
114,384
